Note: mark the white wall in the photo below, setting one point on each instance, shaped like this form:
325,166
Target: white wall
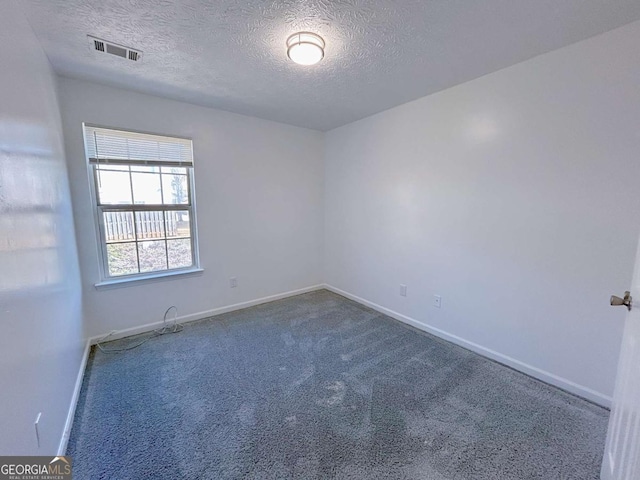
514,196
40,310
258,195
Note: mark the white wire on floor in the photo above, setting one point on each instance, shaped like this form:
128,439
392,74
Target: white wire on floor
175,327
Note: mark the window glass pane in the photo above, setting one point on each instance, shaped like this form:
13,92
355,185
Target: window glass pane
118,226
174,170
111,166
175,189
145,168
178,224
146,188
121,259
153,256
114,187
179,253
150,224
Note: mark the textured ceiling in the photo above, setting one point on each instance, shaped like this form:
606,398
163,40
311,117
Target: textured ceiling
380,53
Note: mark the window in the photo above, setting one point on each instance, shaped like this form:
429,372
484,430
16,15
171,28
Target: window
143,194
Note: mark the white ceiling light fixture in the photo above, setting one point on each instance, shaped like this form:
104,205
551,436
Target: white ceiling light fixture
305,48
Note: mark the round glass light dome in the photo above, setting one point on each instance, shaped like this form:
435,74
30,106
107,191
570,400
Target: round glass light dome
305,48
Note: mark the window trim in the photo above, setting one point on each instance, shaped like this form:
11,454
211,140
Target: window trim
150,277
107,281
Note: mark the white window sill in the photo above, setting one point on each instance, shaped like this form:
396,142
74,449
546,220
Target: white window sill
149,278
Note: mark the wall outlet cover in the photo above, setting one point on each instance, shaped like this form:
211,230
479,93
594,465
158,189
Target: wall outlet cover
437,301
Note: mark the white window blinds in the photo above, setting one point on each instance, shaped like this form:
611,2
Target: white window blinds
126,148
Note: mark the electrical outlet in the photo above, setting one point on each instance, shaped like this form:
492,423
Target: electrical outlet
403,290
437,301
233,282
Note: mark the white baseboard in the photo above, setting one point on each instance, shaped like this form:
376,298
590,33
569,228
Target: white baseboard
128,332
62,447
540,374
547,377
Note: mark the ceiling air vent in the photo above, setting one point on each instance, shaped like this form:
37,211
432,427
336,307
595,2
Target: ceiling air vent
103,46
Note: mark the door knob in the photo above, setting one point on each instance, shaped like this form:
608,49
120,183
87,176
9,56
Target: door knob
626,301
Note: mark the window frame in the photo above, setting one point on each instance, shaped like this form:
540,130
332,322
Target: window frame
99,209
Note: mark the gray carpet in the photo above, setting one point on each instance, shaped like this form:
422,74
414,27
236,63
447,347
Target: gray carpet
317,386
